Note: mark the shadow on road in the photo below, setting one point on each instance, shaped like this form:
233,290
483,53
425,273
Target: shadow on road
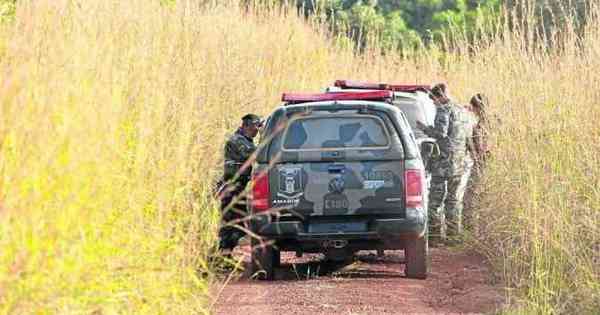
356,268
369,284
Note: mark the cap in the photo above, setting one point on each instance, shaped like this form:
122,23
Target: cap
249,119
439,90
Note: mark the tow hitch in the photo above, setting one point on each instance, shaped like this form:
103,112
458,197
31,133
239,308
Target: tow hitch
338,244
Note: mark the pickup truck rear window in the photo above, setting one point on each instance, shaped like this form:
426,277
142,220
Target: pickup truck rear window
336,132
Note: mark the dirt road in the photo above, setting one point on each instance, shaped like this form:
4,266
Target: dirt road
459,282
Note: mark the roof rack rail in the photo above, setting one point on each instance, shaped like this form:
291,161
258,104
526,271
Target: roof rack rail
296,98
349,84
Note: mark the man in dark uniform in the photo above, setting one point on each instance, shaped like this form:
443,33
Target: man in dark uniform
239,149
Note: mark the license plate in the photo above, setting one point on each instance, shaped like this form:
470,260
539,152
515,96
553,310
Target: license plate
344,227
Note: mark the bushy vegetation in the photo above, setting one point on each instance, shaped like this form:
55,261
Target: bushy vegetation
399,23
407,24
113,115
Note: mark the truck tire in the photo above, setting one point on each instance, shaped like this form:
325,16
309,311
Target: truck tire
417,258
263,260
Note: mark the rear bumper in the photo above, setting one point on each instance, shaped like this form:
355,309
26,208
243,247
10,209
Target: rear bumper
377,228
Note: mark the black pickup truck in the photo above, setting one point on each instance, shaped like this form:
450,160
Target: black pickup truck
337,173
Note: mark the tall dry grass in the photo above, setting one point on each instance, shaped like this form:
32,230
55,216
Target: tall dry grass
539,210
113,118
114,114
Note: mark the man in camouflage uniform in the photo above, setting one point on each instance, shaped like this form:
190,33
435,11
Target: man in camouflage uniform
470,159
478,153
479,102
448,168
239,148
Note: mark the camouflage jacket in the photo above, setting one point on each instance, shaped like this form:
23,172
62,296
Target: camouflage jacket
451,134
471,122
238,149
480,138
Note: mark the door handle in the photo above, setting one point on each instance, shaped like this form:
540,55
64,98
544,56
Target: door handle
336,169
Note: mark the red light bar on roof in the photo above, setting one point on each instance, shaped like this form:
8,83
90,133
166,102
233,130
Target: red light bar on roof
348,84
335,96
409,88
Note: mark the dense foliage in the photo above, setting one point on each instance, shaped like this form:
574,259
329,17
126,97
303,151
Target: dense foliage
406,23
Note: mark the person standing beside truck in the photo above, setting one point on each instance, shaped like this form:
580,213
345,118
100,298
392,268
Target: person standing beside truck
479,153
479,104
238,151
465,190
446,169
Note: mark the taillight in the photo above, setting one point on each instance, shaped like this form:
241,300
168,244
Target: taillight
413,183
260,192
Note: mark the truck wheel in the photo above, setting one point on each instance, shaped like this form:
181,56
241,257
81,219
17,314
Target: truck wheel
417,258
262,260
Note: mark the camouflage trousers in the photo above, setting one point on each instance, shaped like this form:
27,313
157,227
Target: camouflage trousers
445,207
233,213
466,185
470,181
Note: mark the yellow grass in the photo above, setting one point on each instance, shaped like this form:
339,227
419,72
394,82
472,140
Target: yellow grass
113,115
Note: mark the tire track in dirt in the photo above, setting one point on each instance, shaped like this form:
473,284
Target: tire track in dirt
459,282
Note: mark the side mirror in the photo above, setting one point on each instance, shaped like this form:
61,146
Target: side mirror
429,149
436,150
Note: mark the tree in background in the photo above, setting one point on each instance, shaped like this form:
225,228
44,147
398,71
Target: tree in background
399,23
551,17
405,23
